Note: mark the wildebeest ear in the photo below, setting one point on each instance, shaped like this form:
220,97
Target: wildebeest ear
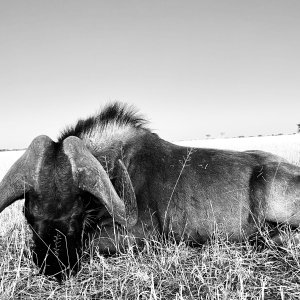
90,176
23,175
125,189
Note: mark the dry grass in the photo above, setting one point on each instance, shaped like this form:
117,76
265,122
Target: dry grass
162,270
287,146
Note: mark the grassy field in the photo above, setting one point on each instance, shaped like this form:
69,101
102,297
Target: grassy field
162,270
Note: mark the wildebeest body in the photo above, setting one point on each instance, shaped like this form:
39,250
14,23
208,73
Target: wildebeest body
192,191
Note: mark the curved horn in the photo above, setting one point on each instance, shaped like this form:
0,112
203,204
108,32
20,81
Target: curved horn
90,176
23,174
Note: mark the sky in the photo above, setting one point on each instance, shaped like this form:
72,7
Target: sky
192,68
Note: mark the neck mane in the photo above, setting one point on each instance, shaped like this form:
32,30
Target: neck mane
115,125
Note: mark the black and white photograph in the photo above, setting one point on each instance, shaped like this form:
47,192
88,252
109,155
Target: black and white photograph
149,149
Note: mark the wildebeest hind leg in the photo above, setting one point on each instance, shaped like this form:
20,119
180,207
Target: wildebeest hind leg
283,200
276,198
285,238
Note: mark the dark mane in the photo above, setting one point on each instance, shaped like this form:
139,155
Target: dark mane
116,113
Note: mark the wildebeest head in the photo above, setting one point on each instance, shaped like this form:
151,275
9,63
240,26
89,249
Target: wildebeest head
53,178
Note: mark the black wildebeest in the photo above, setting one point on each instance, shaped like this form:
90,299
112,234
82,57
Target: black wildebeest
109,174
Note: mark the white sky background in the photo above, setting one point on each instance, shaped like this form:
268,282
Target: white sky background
191,67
